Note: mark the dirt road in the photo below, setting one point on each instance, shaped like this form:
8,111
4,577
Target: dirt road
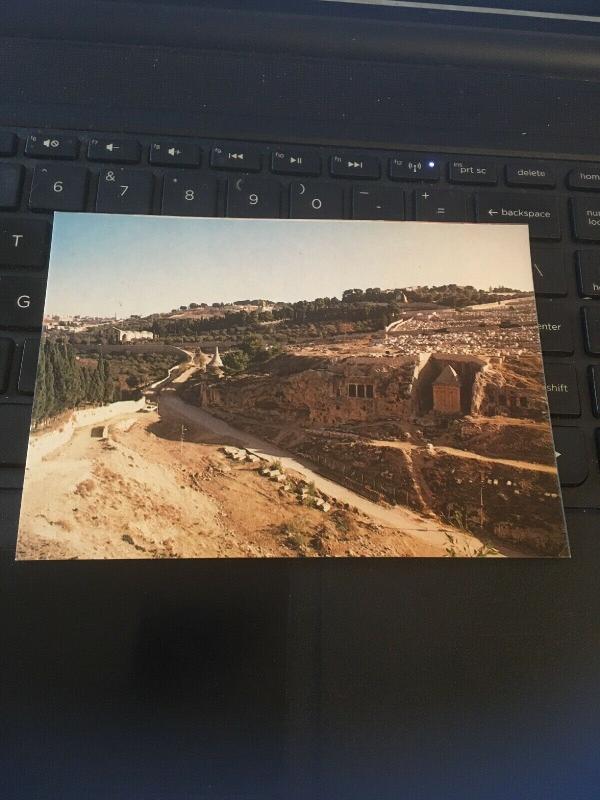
428,530
156,488
113,498
453,451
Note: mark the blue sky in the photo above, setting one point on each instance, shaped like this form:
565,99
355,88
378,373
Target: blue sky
103,264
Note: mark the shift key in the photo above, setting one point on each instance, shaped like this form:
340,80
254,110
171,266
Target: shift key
556,330
538,211
22,301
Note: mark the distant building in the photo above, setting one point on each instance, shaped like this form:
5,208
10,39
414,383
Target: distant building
121,336
446,391
215,365
201,359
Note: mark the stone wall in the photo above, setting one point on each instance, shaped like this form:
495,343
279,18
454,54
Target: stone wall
322,394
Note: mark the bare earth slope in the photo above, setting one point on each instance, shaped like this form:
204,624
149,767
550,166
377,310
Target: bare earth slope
160,487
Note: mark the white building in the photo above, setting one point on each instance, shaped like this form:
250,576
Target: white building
130,336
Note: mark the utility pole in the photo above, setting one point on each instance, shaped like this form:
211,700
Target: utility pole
481,503
181,439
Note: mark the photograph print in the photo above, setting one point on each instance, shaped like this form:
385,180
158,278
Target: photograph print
222,388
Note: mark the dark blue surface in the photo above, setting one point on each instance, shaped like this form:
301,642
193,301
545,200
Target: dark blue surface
400,679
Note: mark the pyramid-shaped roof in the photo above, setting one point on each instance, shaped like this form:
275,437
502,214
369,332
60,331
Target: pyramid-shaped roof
216,359
447,377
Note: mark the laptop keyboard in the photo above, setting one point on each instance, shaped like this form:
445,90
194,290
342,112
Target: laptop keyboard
46,171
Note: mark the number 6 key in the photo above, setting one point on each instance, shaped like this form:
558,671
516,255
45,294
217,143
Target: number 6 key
58,187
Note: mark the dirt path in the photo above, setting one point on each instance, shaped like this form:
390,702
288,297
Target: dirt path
143,490
428,530
162,382
114,498
453,451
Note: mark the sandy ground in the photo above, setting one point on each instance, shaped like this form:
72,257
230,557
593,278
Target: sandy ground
162,488
426,530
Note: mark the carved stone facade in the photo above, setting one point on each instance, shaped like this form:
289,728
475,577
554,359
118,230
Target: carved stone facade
446,392
333,391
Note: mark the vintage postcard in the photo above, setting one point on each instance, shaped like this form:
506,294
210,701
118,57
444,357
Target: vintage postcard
222,388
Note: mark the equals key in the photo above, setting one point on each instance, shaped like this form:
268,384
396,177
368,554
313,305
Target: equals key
440,205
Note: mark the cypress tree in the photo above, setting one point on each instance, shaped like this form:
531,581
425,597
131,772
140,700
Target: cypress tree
40,399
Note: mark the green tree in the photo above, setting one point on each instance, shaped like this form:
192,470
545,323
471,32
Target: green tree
236,360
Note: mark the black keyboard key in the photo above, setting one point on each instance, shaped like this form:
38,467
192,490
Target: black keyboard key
175,154
440,205
28,368
11,180
540,212
588,273
6,350
414,168
58,188
586,177
585,213
8,143
571,456
253,197
125,191
474,171
549,274
594,374
49,145
123,151
187,194
10,478
556,331
236,157
316,201
530,174
22,301
354,165
24,242
379,202
591,330
15,421
289,161
563,390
